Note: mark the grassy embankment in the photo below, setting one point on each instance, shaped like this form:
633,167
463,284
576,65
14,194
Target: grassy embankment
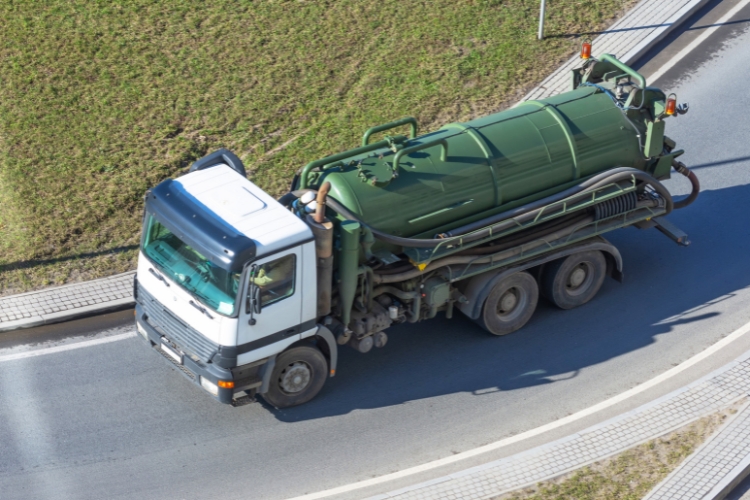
100,100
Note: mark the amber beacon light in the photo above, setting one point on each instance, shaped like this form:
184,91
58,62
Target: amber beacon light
671,105
586,50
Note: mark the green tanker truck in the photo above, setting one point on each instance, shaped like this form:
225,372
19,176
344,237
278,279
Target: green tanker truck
246,294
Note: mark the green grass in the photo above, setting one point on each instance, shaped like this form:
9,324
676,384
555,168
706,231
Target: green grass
100,99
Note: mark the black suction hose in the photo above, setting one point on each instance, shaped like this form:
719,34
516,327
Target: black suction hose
469,260
681,168
528,235
502,220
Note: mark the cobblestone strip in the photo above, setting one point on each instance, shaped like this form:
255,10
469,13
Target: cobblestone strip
628,39
704,470
60,303
709,395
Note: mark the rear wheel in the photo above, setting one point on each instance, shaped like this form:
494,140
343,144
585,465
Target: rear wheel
298,377
510,304
574,280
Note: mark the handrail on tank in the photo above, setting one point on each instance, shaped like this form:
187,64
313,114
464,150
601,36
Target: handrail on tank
419,147
342,156
630,71
387,126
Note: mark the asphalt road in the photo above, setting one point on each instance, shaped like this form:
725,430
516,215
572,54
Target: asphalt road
114,421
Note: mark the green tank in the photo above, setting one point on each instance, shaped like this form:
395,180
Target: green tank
420,186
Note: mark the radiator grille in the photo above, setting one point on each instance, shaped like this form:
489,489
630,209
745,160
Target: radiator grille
186,337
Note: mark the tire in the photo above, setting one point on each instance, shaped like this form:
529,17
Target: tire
298,377
510,304
574,280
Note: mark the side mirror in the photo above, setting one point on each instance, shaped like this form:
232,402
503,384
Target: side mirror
252,302
255,299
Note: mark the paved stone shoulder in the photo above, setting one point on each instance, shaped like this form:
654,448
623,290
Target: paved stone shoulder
704,397
628,39
714,468
62,303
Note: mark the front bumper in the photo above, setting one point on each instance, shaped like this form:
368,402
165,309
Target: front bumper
192,369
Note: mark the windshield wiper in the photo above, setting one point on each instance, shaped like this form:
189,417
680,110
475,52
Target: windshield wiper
158,276
201,309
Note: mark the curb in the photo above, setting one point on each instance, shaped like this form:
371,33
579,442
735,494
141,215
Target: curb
47,318
730,481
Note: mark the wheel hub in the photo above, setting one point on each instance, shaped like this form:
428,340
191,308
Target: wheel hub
578,276
295,378
508,301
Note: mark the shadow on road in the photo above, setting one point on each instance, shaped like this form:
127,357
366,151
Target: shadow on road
665,286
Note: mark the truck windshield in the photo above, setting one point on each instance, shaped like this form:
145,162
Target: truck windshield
210,284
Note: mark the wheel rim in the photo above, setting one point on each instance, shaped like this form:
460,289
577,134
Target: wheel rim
511,304
579,279
295,378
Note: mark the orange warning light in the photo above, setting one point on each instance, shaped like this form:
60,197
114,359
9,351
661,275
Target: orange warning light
585,50
671,105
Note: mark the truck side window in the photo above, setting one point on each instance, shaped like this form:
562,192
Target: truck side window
276,279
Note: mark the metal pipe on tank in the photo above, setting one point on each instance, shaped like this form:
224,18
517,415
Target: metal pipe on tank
320,210
625,69
322,230
303,179
348,268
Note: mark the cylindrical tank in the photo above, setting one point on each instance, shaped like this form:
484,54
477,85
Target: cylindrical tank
466,171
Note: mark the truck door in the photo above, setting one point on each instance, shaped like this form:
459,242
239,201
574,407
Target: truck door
278,277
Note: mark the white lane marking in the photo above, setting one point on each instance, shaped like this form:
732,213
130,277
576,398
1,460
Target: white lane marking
534,432
710,31
66,347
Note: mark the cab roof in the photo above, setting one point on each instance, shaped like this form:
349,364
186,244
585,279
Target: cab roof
225,217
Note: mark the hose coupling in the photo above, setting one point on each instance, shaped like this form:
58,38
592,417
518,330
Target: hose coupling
680,167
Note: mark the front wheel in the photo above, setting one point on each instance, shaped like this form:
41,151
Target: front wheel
298,377
510,304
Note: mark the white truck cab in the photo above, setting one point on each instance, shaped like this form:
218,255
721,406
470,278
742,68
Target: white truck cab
226,282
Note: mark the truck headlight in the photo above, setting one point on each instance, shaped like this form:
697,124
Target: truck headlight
209,386
141,330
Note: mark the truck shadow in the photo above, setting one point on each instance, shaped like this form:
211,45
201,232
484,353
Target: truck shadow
665,286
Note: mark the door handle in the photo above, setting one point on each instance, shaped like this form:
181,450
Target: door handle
289,332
